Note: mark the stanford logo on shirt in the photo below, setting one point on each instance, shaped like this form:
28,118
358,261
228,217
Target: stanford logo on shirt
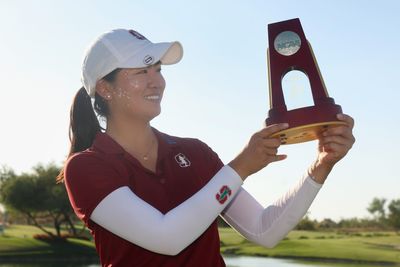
182,160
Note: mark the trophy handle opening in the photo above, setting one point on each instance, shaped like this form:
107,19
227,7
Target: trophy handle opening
296,87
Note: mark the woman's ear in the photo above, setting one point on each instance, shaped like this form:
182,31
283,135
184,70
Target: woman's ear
103,88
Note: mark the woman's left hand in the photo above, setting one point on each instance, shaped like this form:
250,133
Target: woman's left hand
335,142
333,145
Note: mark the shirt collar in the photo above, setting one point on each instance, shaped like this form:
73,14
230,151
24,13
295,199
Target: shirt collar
106,144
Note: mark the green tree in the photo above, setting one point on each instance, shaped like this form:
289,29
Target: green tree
377,209
6,173
327,223
394,214
307,224
38,197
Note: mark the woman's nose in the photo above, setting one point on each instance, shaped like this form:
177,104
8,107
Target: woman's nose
155,78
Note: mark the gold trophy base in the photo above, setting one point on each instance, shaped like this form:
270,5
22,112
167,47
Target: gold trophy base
304,133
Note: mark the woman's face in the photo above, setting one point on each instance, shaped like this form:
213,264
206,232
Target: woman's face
137,92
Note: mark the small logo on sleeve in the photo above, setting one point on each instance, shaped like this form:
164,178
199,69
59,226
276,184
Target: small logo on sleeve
223,194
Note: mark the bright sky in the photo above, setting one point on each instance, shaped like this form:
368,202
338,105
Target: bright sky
218,92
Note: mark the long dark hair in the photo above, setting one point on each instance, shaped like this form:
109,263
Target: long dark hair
83,122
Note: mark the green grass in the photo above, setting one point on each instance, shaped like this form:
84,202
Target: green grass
363,246
18,242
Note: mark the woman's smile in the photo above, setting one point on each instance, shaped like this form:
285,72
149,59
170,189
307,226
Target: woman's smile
153,98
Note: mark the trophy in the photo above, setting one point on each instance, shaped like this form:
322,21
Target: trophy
289,50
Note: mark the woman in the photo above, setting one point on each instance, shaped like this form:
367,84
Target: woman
152,199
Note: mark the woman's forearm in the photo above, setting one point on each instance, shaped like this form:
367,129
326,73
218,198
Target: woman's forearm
268,226
319,172
123,213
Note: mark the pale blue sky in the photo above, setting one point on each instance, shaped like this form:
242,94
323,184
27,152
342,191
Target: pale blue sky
218,92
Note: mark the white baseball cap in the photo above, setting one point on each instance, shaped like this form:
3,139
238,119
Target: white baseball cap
122,48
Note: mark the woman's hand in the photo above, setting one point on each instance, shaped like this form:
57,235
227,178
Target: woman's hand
333,145
261,150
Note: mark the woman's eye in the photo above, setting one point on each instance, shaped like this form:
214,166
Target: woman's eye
141,72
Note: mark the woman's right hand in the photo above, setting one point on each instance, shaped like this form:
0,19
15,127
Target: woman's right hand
261,150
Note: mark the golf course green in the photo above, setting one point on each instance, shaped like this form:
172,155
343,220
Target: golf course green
362,247
17,243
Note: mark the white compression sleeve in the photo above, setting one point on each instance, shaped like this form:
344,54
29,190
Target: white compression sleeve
268,226
131,218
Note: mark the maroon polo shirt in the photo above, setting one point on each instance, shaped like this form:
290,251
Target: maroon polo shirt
184,166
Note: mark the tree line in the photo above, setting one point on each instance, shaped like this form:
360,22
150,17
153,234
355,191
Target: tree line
35,198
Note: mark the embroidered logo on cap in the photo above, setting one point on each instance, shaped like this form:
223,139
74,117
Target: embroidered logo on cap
223,194
137,35
182,160
148,59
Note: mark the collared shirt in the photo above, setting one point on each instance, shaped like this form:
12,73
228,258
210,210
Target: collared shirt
184,165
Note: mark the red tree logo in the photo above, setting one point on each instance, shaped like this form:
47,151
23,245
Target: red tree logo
223,194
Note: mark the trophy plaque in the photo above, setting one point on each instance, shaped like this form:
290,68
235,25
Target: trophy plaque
289,50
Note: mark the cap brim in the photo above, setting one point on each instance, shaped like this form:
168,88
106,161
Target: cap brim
173,54
166,52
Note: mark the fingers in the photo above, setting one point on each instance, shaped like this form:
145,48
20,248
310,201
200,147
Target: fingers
273,142
268,155
269,145
344,131
271,154
278,158
335,139
269,130
271,151
337,142
339,134
336,149
346,118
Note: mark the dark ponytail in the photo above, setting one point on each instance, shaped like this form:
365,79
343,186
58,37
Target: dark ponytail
84,124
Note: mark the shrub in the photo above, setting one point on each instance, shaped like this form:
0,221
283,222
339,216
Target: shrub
306,224
303,237
48,238
61,238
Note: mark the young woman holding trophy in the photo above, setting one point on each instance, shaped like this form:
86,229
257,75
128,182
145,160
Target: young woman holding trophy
152,199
